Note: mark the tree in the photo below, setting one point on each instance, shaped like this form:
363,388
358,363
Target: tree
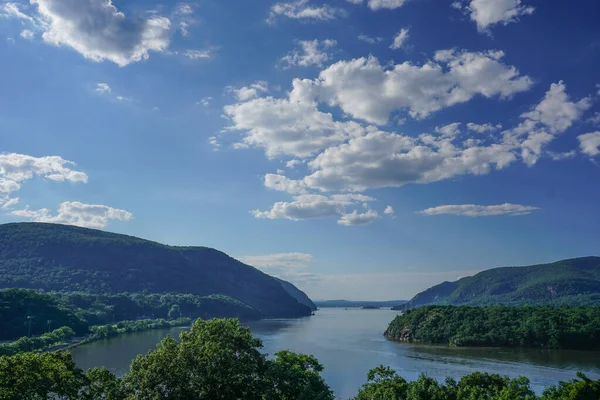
578,389
297,377
383,383
29,376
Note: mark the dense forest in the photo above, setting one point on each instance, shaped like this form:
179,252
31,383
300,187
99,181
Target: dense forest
64,258
26,312
186,369
571,282
517,326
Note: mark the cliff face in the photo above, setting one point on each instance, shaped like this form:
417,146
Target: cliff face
68,258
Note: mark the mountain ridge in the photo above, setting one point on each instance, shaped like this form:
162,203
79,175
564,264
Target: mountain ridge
57,257
572,281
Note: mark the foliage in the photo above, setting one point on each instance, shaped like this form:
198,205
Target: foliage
112,330
571,282
545,327
385,384
65,258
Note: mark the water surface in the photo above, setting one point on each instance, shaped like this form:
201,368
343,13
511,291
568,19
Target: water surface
350,342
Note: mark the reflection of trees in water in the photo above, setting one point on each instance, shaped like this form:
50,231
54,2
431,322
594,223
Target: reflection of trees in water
568,359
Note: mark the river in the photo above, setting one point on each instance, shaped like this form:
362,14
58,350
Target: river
350,342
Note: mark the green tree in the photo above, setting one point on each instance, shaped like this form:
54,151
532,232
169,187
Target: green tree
29,376
578,389
383,383
297,377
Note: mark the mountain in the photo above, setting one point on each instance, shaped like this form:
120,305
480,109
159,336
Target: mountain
68,259
358,303
568,282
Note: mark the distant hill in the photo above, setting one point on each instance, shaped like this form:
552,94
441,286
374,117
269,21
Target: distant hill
350,303
68,259
567,282
298,294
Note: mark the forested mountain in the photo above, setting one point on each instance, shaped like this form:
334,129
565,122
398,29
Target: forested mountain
72,259
568,282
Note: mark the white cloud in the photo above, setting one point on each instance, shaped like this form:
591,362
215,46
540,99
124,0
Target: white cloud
250,92
553,115
367,90
595,120
205,101
103,88
483,128
9,202
383,159
450,130
389,210
214,142
311,53
302,10
76,213
589,143
10,40
18,168
486,13
357,219
96,29
184,9
27,34
400,39
289,126
13,10
196,54
381,4
562,156
292,163
369,39
284,184
472,210
556,111
309,206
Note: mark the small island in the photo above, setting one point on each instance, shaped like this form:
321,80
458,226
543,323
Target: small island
547,327
370,308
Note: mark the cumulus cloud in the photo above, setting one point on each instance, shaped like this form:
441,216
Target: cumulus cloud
103,88
250,92
389,210
310,53
472,210
369,39
96,29
450,130
400,39
486,13
483,128
289,126
552,116
381,4
310,206
205,101
367,90
302,10
76,213
589,143
283,184
358,219
18,168
9,202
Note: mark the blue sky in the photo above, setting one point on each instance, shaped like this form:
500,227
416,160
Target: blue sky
360,149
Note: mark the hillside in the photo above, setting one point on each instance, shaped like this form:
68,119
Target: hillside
567,282
72,259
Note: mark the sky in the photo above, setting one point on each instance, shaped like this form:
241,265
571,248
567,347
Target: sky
361,149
